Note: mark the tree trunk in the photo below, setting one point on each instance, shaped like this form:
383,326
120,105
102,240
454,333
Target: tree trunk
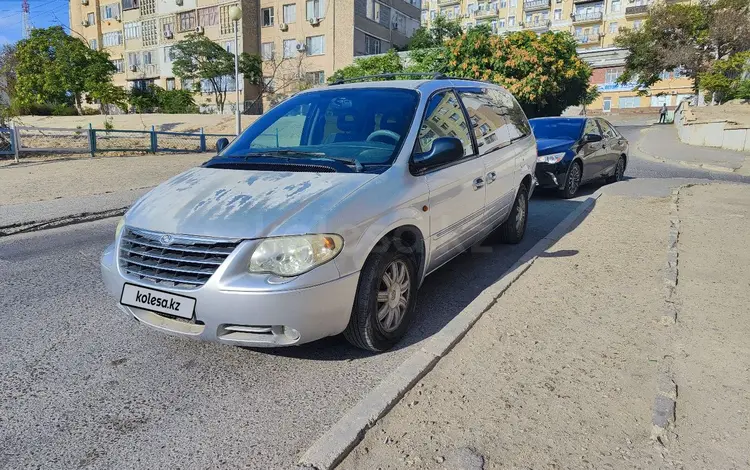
77,102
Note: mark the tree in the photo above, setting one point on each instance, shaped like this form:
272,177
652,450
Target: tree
175,101
8,64
591,93
281,76
728,78
440,31
108,94
56,69
144,100
390,62
686,37
198,58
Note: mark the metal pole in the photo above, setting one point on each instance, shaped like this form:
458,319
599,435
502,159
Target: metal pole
15,140
238,125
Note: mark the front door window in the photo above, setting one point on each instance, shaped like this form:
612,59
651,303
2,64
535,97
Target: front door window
444,118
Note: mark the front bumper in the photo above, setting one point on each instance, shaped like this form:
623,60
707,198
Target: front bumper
247,317
552,175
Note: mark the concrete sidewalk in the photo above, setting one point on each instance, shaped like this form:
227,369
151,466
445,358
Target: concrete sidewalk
43,191
562,372
661,143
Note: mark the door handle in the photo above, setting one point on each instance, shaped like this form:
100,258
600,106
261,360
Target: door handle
491,177
478,184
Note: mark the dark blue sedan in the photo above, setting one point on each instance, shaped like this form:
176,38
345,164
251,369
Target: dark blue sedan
572,151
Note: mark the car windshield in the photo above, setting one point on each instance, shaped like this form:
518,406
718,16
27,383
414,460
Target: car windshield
557,128
357,126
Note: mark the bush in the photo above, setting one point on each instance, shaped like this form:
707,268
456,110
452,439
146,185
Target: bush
176,101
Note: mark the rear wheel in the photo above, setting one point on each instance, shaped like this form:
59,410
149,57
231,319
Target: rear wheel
619,172
384,305
514,228
572,182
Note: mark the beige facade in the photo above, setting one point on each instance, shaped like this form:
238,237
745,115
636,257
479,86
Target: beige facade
594,24
302,42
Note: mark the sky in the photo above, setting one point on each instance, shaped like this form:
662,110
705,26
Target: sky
43,13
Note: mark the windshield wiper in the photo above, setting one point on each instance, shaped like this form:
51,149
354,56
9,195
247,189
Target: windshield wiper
358,167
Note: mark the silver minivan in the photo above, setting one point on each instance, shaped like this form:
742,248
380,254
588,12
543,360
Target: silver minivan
326,214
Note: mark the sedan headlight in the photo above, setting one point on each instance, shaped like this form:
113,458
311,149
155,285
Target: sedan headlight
552,158
292,256
120,226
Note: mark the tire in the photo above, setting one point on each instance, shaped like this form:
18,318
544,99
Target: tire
619,172
368,328
572,181
514,228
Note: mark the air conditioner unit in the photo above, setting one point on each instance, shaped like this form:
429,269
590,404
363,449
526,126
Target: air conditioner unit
301,47
117,18
394,25
466,15
314,21
84,23
199,30
283,26
602,34
178,2
168,35
133,68
84,2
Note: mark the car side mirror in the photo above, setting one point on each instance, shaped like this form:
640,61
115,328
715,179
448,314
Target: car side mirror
444,150
221,144
591,138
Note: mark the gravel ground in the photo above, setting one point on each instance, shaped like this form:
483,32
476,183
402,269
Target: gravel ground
559,373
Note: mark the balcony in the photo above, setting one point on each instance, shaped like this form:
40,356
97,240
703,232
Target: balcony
534,5
485,12
587,40
443,3
585,1
589,17
638,10
539,26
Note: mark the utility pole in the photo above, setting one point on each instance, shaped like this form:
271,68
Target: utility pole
26,21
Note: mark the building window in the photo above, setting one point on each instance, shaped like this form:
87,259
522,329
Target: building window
503,3
607,105
315,45
110,11
147,58
266,15
167,26
398,21
616,6
613,27
268,84
290,48
315,78
501,23
657,101
511,21
372,45
558,14
316,9
208,16
611,76
91,18
132,30
150,37
513,3
170,84
227,25
93,44
528,17
267,51
111,39
373,10
148,7
187,21
129,4
134,59
664,75
628,102
119,65
289,13
229,46
168,55
637,24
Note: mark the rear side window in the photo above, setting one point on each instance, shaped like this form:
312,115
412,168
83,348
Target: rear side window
521,127
444,118
489,121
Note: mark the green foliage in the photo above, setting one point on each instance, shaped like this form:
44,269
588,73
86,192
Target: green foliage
176,102
689,37
107,93
144,100
385,63
8,65
441,30
108,124
199,58
728,78
56,69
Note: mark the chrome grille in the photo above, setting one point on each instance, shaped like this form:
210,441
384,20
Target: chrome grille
184,262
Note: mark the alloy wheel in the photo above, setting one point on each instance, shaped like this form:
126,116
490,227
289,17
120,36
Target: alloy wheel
393,295
521,213
575,178
619,170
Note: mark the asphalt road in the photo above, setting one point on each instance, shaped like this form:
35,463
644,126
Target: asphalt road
83,386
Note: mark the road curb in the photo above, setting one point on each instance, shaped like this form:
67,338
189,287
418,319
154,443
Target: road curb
336,443
34,225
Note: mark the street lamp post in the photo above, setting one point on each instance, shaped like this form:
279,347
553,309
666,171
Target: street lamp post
235,14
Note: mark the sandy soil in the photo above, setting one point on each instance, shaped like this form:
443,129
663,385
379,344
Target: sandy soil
560,373
738,113
211,123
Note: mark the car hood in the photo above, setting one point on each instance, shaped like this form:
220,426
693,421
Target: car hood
548,146
245,204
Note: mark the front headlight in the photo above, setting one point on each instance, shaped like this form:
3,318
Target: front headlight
120,226
552,158
292,256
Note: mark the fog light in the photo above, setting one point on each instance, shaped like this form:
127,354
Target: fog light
291,333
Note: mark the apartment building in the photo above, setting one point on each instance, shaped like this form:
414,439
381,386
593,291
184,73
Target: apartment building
593,23
301,41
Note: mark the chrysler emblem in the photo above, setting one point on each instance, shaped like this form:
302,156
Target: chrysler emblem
166,239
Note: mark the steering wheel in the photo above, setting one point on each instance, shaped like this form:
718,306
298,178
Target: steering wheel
384,133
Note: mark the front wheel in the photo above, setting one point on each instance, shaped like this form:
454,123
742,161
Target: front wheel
385,302
572,182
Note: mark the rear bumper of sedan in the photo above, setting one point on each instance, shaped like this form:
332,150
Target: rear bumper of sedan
245,317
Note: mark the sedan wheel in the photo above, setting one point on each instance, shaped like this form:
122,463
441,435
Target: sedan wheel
573,182
619,173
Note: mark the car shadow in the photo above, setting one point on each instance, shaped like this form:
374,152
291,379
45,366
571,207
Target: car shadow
446,292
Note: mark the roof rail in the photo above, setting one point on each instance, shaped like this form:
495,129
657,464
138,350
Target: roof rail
392,76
